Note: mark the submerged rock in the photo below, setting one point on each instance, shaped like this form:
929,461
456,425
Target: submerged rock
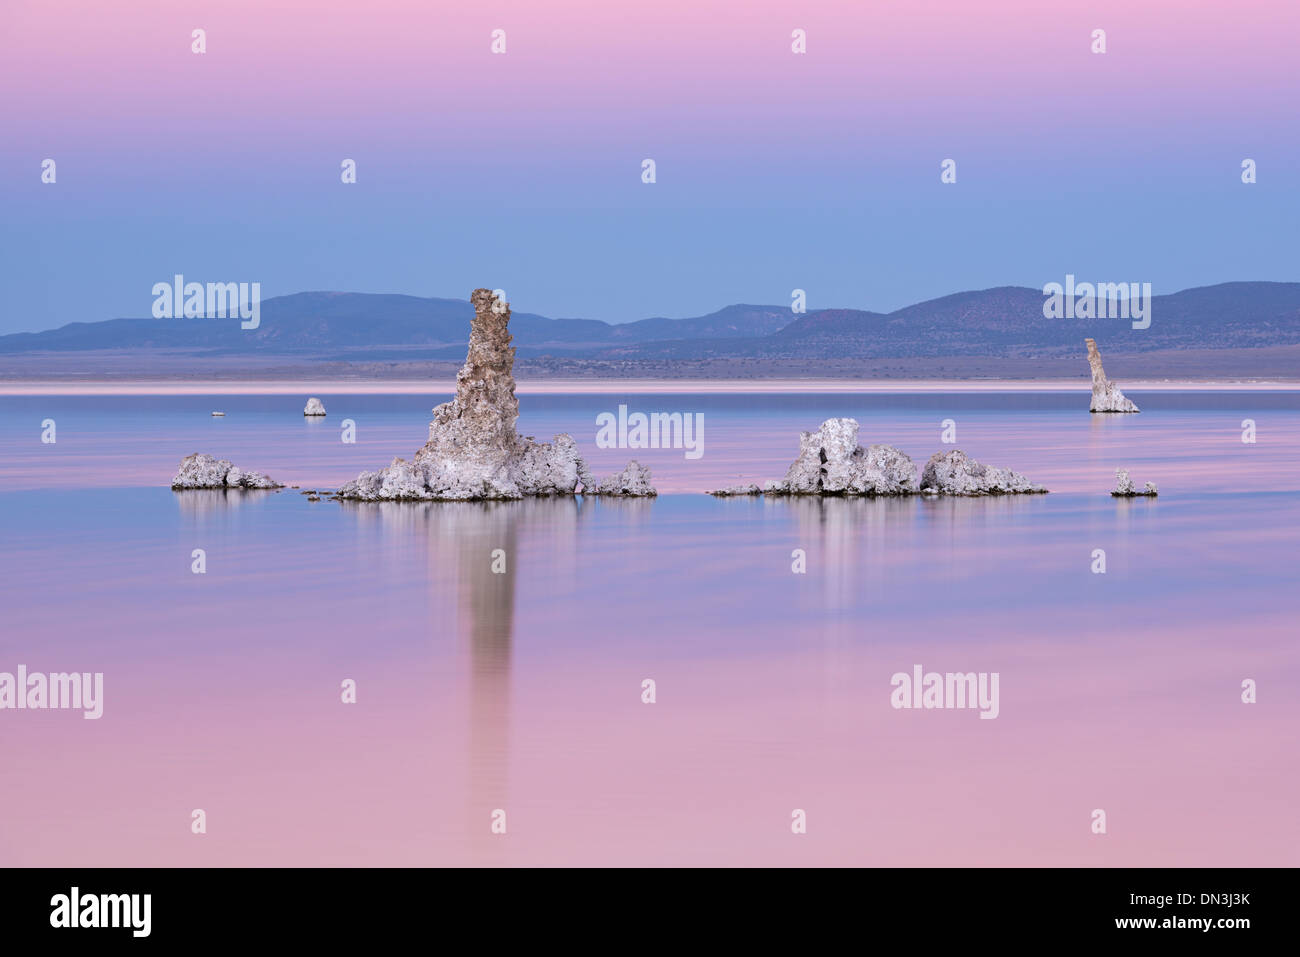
203,471
1106,396
474,451
314,407
831,462
1124,486
955,473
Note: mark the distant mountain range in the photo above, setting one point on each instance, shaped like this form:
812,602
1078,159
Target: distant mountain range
1004,323
342,325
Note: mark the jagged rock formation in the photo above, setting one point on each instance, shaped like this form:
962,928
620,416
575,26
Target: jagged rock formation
831,462
1124,486
1106,396
314,407
203,471
954,473
632,482
474,452
400,480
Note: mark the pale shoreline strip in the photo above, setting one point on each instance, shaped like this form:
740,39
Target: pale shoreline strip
620,386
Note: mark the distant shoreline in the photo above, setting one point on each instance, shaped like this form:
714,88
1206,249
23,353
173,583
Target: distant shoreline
617,386
1278,364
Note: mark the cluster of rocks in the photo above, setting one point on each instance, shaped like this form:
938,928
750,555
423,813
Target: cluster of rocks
203,471
1106,396
633,481
831,462
474,451
1124,486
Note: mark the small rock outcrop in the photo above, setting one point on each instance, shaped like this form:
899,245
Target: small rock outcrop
955,473
314,407
1124,486
474,451
1106,396
632,482
203,471
831,462
736,491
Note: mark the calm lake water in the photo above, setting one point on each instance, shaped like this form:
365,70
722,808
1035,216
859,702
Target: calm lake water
522,691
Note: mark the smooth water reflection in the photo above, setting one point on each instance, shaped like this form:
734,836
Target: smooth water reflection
519,687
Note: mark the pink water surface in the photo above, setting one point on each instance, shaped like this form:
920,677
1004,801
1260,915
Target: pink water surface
522,691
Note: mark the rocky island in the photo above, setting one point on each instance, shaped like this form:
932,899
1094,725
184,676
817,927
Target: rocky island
1124,486
203,471
831,462
474,452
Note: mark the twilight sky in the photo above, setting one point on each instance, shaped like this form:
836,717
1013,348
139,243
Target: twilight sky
523,171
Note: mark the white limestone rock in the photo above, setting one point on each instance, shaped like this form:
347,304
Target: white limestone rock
256,480
552,468
633,482
201,470
1124,487
831,462
954,473
314,407
736,491
474,452
402,480
365,486
1106,396
895,467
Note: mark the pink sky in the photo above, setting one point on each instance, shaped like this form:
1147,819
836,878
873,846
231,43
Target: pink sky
112,75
